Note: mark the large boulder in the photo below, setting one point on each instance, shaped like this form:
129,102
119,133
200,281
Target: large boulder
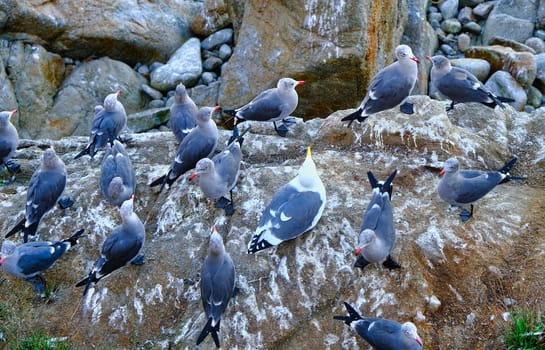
128,31
338,49
300,285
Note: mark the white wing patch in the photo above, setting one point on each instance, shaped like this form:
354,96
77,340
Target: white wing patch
284,217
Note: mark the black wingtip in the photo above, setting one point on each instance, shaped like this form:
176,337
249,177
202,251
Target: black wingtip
386,186
209,329
508,166
87,150
354,116
256,246
353,315
73,240
160,181
231,112
20,225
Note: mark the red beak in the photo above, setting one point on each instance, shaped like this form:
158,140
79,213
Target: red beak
428,57
300,82
419,341
13,112
442,172
358,251
414,58
192,176
118,92
2,260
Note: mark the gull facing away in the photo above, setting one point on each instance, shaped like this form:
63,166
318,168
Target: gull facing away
117,179
123,246
382,333
389,87
107,124
218,176
217,286
44,191
459,85
377,232
200,143
271,105
462,187
30,260
9,141
294,209
183,113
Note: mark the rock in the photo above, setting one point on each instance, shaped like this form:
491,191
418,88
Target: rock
35,76
508,27
212,17
515,45
8,100
540,76
451,25
215,40
87,86
208,77
534,97
537,44
540,20
435,16
472,27
225,52
494,54
464,41
148,119
503,84
151,92
153,104
142,32
449,8
540,34
212,64
447,49
522,66
343,49
521,9
471,3
466,15
478,67
143,69
184,66
483,9
205,95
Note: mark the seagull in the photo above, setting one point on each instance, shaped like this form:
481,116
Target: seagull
9,140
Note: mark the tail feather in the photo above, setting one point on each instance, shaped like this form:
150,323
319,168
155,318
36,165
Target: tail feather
208,328
160,181
231,112
73,240
238,137
20,226
357,115
87,150
497,101
507,168
385,186
88,281
353,315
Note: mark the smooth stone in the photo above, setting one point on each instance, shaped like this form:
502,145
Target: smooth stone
522,66
451,25
224,36
225,51
212,63
515,45
534,97
537,44
466,15
540,34
208,77
509,27
483,9
156,104
151,92
472,27
478,67
435,16
447,49
502,83
464,41
449,8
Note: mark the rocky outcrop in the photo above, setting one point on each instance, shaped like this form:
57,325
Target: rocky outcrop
135,32
469,268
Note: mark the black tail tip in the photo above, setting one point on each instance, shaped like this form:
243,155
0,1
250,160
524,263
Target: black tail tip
231,112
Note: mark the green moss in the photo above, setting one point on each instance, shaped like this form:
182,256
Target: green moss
525,331
40,341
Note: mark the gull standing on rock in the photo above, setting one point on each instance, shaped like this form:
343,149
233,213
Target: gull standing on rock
459,85
30,260
117,180
200,143
294,209
271,105
44,191
123,246
217,286
462,187
218,176
9,140
390,87
381,333
183,113
107,124
377,232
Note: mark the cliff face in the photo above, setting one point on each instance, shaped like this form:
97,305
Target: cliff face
288,295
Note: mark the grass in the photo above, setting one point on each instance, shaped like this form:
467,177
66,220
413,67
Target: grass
526,331
40,341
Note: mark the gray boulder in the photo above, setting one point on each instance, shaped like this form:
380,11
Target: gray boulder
503,84
506,26
478,67
183,66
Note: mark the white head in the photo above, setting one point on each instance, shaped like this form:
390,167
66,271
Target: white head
5,117
8,248
205,114
404,53
440,63
366,238
110,101
451,166
410,333
307,171
204,166
215,247
181,93
126,209
288,84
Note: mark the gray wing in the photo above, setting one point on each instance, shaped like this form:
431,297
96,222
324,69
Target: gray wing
44,190
290,213
107,171
124,166
462,86
266,106
39,256
373,213
468,190
217,286
227,164
389,88
182,119
193,148
380,333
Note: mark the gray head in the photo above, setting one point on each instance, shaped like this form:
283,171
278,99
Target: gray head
116,188
204,166
5,117
366,238
50,159
410,333
286,84
181,93
8,248
126,209
404,53
205,114
110,101
440,62
215,247
451,166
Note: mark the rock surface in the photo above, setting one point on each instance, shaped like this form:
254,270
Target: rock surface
449,270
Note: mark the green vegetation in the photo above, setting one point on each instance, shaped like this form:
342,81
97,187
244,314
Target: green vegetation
525,332
40,341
